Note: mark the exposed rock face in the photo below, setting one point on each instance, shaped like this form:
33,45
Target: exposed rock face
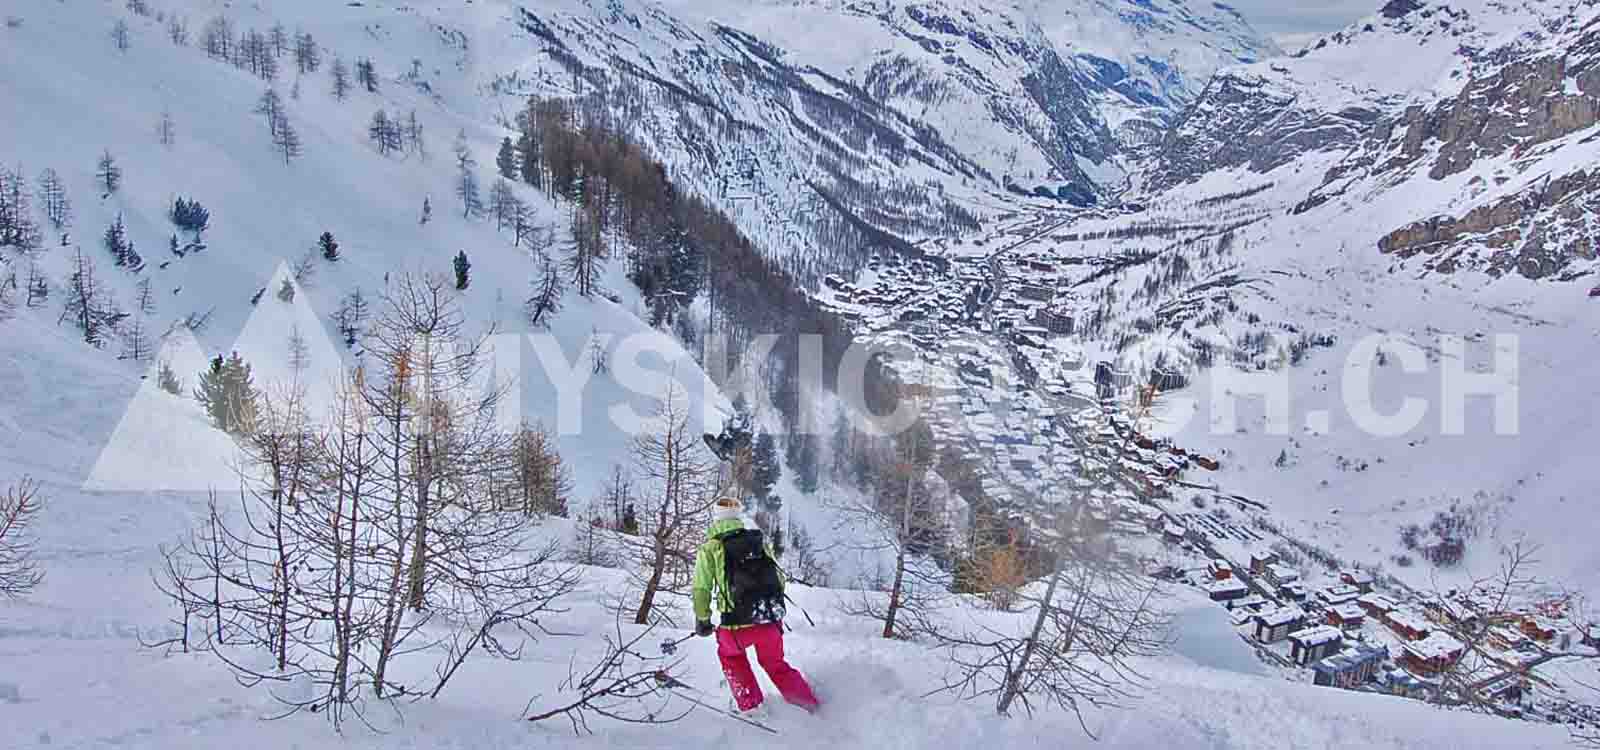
1248,120
1398,8
1528,99
1526,103
1538,233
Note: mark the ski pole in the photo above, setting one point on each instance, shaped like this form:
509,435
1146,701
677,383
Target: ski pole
677,686
802,610
670,647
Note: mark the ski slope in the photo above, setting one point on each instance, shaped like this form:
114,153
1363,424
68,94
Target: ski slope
74,675
266,215
122,464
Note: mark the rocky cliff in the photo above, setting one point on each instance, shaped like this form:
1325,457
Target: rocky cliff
1477,114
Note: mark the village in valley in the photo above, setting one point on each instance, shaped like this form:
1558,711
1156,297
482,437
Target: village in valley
991,331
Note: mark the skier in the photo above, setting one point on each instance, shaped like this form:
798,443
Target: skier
735,435
737,567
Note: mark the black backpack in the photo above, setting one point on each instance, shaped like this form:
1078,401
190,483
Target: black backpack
754,584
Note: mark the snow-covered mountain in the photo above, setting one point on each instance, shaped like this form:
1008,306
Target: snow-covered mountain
804,116
1426,173
1421,176
1474,114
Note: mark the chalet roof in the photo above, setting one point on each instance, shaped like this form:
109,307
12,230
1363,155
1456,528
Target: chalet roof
1512,635
1453,607
1338,595
1401,678
1226,584
1352,658
1349,612
1359,576
1317,635
1410,621
1283,572
1281,616
1252,601
1377,601
1435,646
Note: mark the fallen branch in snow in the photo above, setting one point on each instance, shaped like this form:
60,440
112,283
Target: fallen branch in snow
624,685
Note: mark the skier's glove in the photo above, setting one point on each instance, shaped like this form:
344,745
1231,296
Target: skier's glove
703,628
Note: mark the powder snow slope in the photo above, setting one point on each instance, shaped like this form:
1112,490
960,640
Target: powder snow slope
74,674
267,215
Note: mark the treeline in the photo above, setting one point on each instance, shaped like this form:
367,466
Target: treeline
822,238
679,246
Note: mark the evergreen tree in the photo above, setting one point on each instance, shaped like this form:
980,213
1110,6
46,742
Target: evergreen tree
144,298
385,133
427,211
503,202
352,317
53,198
287,141
116,241
521,221
167,379
85,305
329,247
307,58
217,38
178,30
765,468
366,75
135,341
840,445
166,130
805,460
467,178
119,35
133,259
38,288
17,227
528,149
190,216
341,80
286,291
585,252
463,269
506,160
228,394
109,174
278,39
270,106
545,301
630,521
413,134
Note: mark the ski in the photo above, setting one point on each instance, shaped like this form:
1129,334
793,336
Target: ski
674,683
